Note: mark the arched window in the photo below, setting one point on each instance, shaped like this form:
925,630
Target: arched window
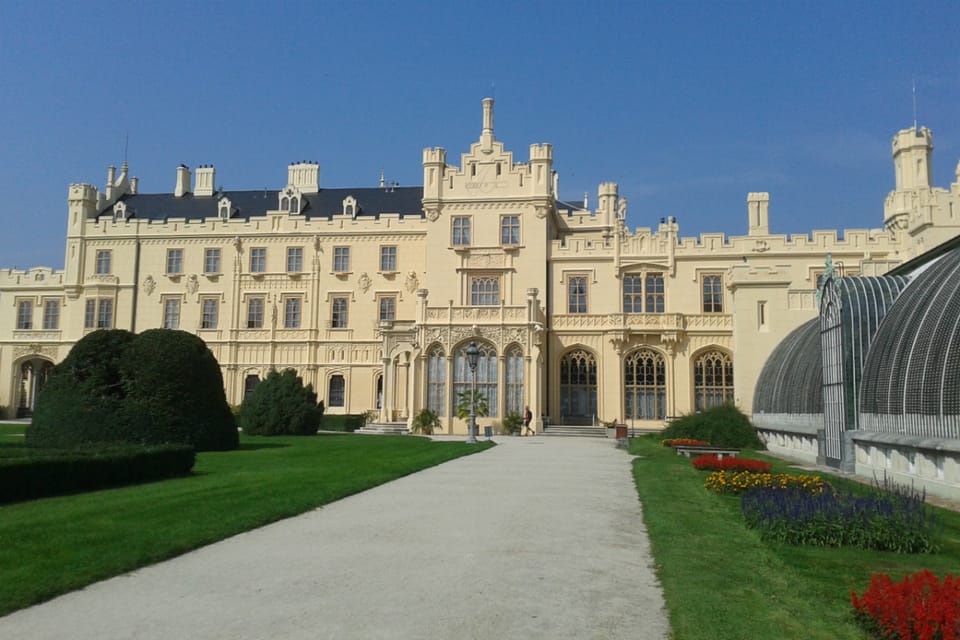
578,385
486,375
437,381
249,384
514,381
712,380
337,391
644,378
294,205
285,204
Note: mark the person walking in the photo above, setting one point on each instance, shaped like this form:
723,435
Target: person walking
527,417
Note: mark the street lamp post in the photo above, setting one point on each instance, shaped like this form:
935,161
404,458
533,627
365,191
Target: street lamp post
473,355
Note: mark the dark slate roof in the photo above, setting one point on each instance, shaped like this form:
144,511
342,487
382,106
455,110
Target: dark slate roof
371,202
791,380
913,367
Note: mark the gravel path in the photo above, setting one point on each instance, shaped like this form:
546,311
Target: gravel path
535,538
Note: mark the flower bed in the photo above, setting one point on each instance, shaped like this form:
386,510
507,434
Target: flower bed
711,462
895,521
919,608
684,442
736,482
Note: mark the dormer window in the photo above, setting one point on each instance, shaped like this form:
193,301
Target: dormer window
224,208
119,212
350,206
290,200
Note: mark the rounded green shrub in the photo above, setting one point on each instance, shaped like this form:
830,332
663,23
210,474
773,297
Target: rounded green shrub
281,405
721,426
157,387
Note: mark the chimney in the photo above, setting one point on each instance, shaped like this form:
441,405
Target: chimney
134,183
205,179
486,136
183,181
304,175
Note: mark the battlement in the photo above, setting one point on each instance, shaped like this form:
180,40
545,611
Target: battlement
82,192
33,278
542,151
434,155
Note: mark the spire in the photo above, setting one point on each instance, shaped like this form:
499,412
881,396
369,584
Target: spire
488,116
383,182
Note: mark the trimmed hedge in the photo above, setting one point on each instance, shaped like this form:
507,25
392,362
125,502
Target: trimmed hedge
343,422
156,387
281,405
44,473
721,426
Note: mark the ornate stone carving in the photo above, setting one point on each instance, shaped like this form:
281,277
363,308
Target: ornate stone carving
541,211
193,284
238,244
149,284
759,246
411,282
364,282
49,350
433,213
486,260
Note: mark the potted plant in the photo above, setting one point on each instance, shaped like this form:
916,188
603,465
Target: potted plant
512,423
425,422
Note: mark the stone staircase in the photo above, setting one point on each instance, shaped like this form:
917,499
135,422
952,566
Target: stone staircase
388,428
575,431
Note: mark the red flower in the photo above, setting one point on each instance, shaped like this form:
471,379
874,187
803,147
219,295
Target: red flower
919,608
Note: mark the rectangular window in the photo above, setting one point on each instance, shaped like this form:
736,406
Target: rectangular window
632,294
338,319
761,314
211,261
388,259
104,313
210,309
577,294
336,396
291,313
258,260
25,314
174,261
713,294
90,315
294,259
341,259
388,308
484,291
654,292
510,230
171,313
51,314
461,231
255,313
103,262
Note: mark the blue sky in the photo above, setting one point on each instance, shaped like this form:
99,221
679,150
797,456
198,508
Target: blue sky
687,105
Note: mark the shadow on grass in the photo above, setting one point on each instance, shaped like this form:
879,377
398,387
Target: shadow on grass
253,446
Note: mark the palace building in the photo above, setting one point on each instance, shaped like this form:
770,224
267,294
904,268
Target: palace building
373,293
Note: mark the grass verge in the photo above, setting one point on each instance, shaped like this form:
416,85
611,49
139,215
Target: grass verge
721,581
55,545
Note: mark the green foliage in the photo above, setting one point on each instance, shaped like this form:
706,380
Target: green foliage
40,473
721,426
281,405
512,423
463,404
426,422
348,422
157,387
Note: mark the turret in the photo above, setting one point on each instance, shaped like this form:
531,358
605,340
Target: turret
541,168
434,164
607,202
912,149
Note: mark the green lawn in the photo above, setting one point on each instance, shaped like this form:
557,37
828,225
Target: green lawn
14,429
55,545
721,581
